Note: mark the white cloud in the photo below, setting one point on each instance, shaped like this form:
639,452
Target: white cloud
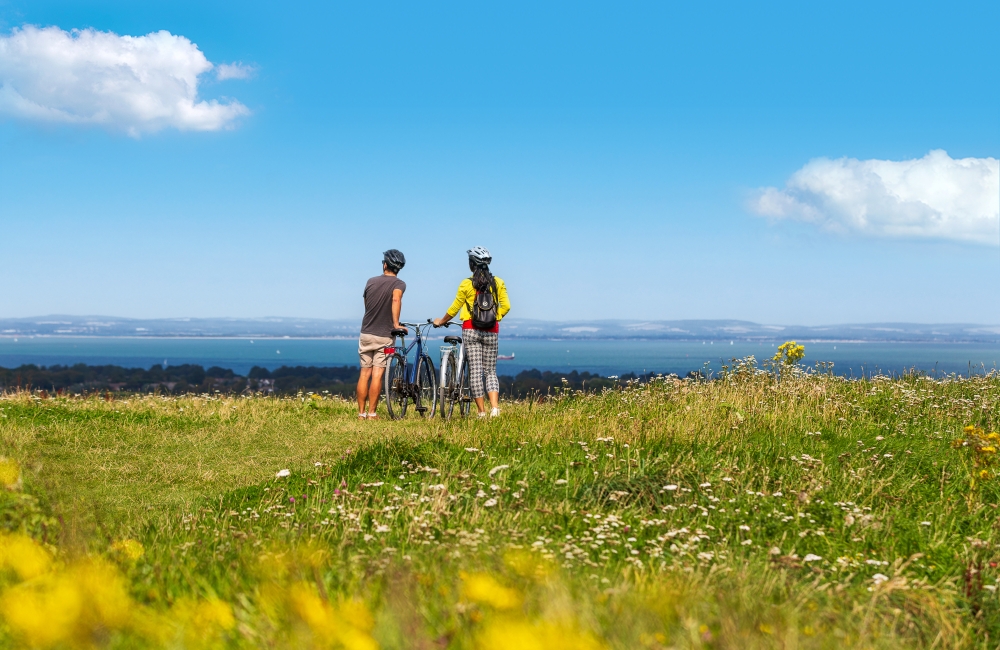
234,71
936,196
137,84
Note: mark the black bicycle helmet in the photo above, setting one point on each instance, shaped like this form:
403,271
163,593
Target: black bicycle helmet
394,260
479,255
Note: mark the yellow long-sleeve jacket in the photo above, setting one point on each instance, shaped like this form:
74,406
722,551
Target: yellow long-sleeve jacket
467,293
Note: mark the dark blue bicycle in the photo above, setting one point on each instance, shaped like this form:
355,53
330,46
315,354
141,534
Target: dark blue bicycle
406,381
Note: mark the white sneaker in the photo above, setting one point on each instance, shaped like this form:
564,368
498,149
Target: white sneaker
495,412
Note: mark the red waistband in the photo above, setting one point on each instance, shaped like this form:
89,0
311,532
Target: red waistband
467,325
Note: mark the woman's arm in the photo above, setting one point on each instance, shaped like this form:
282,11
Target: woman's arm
503,302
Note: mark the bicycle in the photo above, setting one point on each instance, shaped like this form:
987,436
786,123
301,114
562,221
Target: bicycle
405,381
454,382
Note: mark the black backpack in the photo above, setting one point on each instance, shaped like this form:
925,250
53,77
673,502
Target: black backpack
484,309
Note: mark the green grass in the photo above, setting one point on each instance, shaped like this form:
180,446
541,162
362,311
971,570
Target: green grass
817,512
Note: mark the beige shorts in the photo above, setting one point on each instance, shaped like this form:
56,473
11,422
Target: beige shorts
370,349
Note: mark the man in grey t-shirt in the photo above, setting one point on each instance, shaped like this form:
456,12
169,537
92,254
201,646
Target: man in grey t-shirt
383,302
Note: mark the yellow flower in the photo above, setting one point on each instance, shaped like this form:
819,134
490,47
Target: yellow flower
43,612
10,473
24,555
349,625
129,548
74,605
989,450
984,474
482,588
507,634
106,600
993,435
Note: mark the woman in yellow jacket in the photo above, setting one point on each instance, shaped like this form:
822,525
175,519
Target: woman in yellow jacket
480,344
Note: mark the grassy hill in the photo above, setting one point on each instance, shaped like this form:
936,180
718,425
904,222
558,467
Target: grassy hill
737,513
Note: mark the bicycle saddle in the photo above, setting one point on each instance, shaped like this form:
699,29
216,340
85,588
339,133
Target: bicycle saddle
454,340
398,332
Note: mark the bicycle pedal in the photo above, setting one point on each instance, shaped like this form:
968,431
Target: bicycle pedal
421,409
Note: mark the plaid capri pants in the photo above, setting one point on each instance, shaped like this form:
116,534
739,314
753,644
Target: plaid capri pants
481,351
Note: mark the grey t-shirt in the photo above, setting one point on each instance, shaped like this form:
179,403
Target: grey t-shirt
378,304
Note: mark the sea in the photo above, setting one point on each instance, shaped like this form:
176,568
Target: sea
604,357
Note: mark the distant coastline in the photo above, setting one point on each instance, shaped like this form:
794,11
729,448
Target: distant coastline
710,331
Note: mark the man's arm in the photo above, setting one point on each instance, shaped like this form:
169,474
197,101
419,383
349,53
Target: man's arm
397,307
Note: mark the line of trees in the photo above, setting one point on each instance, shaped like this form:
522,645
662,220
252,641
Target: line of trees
286,380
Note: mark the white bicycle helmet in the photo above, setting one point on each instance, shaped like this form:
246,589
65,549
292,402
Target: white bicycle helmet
480,255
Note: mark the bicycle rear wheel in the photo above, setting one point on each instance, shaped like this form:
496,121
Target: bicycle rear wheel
449,386
395,387
426,393
464,390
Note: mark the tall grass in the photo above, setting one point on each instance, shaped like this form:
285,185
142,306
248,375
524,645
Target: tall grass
737,513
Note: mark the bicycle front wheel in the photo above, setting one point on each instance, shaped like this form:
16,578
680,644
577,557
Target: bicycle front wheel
426,387
449,386
395,387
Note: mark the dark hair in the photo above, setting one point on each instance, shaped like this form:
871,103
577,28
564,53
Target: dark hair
482,279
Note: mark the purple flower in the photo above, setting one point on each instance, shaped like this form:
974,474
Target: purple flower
292,499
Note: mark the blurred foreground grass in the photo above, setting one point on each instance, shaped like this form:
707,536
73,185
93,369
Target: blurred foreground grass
738,513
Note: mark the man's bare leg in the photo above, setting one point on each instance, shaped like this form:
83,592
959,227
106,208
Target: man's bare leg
363,381
375,390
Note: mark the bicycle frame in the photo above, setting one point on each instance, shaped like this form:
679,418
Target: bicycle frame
410,369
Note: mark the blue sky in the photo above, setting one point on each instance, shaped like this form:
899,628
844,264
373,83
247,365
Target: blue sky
612,156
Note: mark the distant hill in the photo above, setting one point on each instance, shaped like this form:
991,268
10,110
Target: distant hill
690,330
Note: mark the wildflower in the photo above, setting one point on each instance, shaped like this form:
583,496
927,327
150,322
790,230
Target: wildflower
746,542
498,468
489,503
670,488
505,634
775,550
989,450
381,528
984,474
10,473
283,473
925,523
471,450
348,626
727,479
811,558
705,485
561,481
744,527
879,578
129,548
88,599
24,555
483,588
